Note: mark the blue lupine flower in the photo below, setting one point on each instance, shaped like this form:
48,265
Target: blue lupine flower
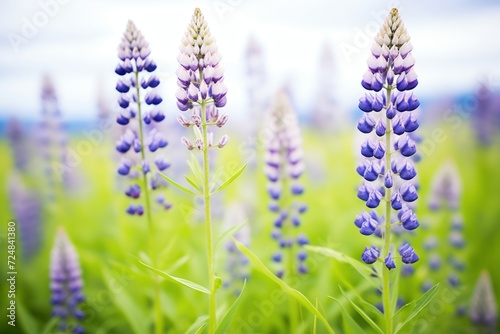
370,255
446,188
387,167
201,81
27,211
483,307
137,87
66,284
284,166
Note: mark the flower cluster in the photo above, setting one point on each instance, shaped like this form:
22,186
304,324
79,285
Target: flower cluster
445,198
66,284
141,139
284,166
201,83
18,144
27,211
52,138
388,119
483,308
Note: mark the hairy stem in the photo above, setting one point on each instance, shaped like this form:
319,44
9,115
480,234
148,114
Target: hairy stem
386,292
208,220
151,230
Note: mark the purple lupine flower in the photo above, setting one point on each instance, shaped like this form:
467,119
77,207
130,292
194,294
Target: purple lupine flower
66,284
27,211
483,306
52,139
446,188
236,263
201,83
284,166
18,144
486,114
140,115
389,121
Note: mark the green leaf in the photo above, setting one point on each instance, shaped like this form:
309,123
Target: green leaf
191,182
28,323
230,180
50,326
227,234
177,280
362,313
420,304
126,304
363,269
347,317
200,330
180,262
224,324
198,326
181,187
257,263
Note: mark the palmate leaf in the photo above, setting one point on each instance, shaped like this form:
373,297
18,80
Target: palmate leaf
181,187
230,180
224,324
362,313
177,280
363,269
420,304
257,263
192,183
195,167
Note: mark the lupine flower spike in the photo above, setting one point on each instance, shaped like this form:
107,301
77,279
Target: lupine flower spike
284,166
141,142
27,210
66,284
387,170
139,101
18,144
52,138
483,307
202,91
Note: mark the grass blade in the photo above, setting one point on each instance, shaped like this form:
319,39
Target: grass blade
177,280
257,263
200,330
228,233
199,324
420,304
224,324
347,317
362,313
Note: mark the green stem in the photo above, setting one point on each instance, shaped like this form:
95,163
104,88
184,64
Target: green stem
386,292
208,220
151,230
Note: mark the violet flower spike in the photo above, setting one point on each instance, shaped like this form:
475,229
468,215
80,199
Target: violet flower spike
200,81
388,173
66,284
284,166
140,116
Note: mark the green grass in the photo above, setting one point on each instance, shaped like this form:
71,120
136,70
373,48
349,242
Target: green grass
110,243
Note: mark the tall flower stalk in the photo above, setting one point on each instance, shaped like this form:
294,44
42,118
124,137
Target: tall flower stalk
388,170
202,91
66,285
284,167
141,140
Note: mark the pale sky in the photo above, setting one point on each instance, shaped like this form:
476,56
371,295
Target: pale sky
455,45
